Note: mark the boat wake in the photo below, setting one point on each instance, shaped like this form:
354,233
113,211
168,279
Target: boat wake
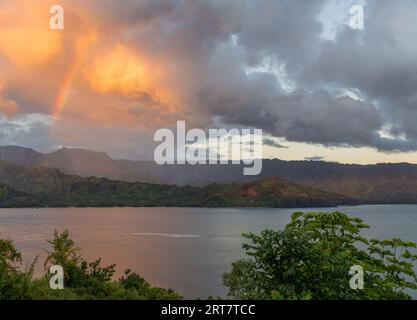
168,235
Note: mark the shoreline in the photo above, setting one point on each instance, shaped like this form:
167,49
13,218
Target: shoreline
174,207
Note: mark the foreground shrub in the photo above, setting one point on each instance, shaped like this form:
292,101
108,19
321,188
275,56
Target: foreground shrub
311,259
82,279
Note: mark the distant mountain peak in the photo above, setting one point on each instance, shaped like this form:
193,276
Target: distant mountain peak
381,183
80,151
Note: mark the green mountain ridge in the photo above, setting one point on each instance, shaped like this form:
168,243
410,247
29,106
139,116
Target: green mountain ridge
10,198
46,187
394,183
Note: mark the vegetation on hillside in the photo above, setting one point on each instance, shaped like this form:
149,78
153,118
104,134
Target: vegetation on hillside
82,280
311,258
373,183
10,198
45,187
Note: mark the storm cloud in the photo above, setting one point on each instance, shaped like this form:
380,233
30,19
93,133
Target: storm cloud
265,64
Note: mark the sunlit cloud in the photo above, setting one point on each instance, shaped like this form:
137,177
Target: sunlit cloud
126,69
123,71
8,107
25,36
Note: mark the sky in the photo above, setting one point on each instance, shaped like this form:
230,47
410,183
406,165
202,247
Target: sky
120,70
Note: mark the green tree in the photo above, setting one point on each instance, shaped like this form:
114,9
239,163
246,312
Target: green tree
90,280
311,259
63,251
14,284
84,280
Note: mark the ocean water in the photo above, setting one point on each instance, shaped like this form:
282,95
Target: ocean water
186,249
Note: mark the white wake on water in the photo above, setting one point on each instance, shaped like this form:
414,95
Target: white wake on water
168,235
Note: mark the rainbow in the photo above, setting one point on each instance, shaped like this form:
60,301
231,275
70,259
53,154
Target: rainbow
70,75
65,87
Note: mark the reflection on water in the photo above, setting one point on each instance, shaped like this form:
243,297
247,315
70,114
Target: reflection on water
186,249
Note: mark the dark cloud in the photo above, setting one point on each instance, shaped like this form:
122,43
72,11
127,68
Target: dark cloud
215,43
314,158
379,63
231,60
272,143
286,30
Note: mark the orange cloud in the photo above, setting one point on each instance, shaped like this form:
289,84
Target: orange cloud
85,73
8,107
120,71
25,36
127,73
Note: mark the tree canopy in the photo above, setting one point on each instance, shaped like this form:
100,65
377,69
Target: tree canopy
311,259
82,279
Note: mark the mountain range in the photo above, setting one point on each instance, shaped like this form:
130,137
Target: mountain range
379,183
23,186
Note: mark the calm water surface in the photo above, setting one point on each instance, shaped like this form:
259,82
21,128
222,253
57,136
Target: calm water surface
186,249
